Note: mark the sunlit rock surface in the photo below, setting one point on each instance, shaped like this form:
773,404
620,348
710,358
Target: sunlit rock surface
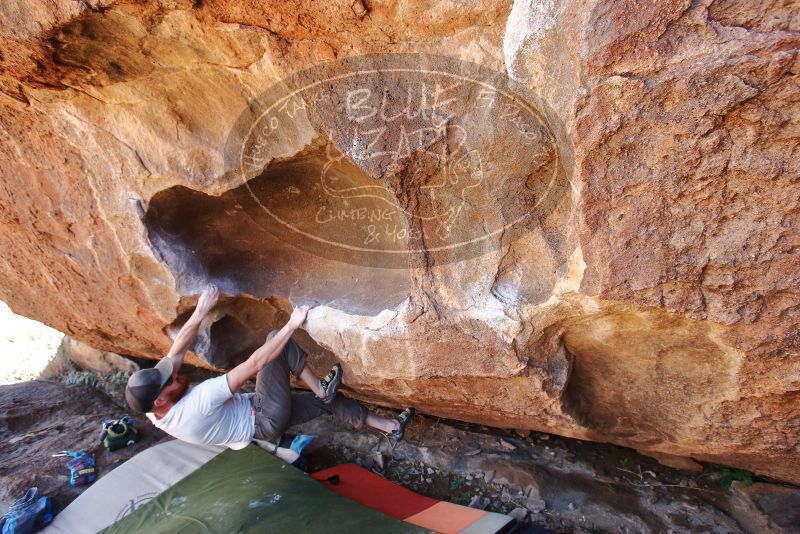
654,304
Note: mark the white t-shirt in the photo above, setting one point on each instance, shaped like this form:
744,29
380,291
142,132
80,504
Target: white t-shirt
209,413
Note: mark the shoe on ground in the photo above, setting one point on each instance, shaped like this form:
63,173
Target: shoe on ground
331,383
396,436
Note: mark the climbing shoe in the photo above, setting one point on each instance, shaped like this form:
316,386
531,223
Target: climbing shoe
396,436
331,383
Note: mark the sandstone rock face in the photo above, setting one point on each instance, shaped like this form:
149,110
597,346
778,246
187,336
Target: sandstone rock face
652,302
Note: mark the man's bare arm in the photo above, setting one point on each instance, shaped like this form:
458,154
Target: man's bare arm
188,332
267,352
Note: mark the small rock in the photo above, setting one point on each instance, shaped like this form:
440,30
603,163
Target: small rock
429,471
359,9
428,480
489,476
468,477
519,514
478,502
377,457
535,505
507,445
571,506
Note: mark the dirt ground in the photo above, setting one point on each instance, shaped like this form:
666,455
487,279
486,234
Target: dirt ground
39,418
561,484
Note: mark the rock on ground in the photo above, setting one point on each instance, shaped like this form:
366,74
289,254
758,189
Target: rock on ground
654,304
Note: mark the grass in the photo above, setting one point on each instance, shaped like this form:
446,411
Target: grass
95,380
112,384
463,499
729,474
456,482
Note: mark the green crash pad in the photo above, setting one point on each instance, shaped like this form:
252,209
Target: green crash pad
252,491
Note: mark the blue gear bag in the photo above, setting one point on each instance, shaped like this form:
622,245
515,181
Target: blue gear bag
82,470
28,514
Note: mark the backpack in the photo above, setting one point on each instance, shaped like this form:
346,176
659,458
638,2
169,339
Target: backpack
28,514
119,433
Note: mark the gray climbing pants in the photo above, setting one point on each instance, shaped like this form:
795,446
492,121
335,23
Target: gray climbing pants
277,407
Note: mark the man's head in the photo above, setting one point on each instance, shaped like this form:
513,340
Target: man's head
153,388
170,394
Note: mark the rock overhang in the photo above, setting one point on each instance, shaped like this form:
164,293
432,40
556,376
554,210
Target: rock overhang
681,206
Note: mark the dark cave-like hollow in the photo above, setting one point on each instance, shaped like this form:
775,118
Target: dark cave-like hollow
234,328
241,241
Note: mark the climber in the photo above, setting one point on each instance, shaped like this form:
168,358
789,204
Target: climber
213,412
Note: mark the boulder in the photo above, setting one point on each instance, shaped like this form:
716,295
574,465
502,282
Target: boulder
588,225
764,507
95,360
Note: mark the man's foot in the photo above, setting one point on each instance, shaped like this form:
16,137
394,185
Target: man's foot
331,383
396,436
